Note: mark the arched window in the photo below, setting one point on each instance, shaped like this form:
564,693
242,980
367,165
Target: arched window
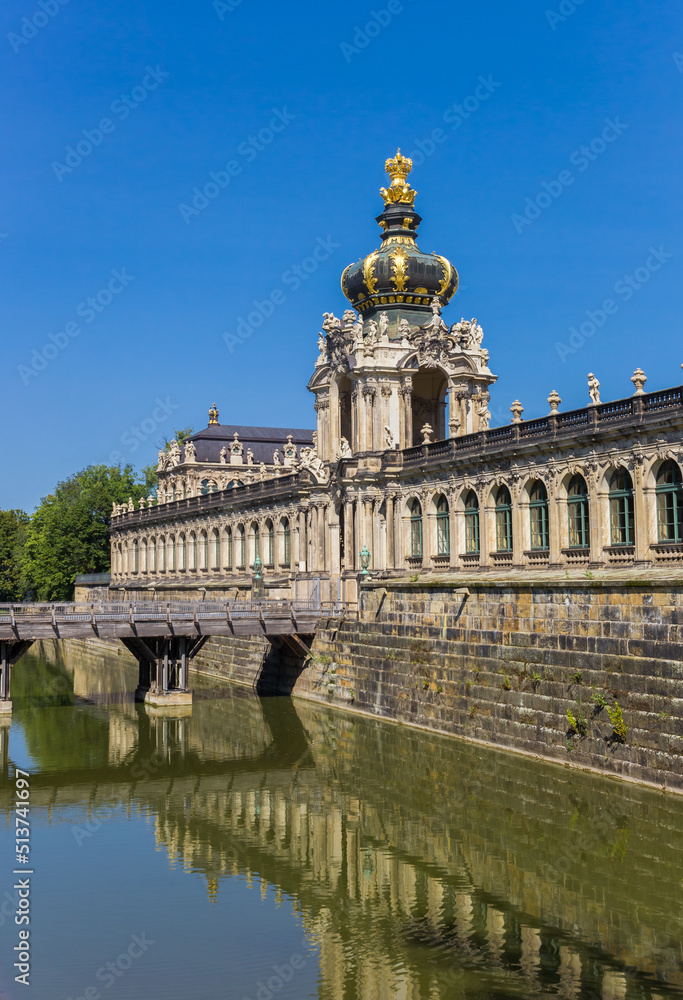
203,551
136,556
577,510
152,556
503,520
228,548
215,549
621,508
538,516
162,555
270,544
209,486
669,503
416,529
443,527
256,541
192,551
171,552
241,548
471,522
182,553
286,542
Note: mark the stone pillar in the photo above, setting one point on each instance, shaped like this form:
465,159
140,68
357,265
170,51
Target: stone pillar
303,542
554,527
454,422
333,559
640,512
598,520
391,501
407,405
517,527
453,529
349,546
323,562
355,441
313,538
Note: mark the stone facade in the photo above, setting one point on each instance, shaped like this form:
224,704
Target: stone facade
403,464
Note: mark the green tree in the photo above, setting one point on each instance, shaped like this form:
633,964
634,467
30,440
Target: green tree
13,526
69,532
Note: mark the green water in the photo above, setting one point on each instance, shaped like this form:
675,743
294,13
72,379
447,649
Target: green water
265,848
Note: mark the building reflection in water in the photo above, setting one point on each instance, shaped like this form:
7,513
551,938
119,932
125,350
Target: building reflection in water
421,866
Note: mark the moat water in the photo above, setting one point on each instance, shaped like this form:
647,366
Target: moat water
269,848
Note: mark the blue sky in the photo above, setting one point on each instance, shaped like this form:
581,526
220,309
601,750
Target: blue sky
542,232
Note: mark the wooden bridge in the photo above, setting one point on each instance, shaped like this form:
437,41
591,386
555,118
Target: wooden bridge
163,636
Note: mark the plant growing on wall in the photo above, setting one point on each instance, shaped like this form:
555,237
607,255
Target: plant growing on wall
618,724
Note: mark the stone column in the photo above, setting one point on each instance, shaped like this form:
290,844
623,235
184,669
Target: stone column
518,534
313,538
333,560
303,542
598,518
407,404
454,421
640,512
355,419
322,531
391,500
349,556
453,529
554,527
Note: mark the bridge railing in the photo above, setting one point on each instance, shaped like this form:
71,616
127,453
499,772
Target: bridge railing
165,611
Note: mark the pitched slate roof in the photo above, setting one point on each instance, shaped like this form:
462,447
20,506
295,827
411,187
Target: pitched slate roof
263,441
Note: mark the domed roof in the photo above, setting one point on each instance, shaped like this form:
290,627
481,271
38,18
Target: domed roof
398,275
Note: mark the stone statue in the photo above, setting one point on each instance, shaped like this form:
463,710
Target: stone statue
263,472
190,452
344,449
483,412
276,458
404,329
357,343
174,453
250,457
322,358
593,389
384,328
310,460
476,332
162,461
389,438
224,455
131,505
330,323
371,333
426,431
348,319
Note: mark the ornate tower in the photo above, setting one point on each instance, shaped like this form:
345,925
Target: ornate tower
391,365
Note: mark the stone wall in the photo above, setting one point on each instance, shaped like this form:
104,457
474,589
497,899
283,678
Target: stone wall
503,663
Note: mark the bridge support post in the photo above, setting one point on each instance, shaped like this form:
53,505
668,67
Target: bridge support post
10,651
163,669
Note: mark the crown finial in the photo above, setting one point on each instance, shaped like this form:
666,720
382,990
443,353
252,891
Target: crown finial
399,191
213,415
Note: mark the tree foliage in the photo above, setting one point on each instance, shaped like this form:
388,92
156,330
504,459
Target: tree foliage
69,532
13,527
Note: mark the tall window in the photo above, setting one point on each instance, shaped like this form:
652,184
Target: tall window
241,548
203,551
286,542
270,546
577,509
152,556
215,549
538,516
162,555
256,535
228,549
621,508
471,522
136,556
669,503
192,551
416,529
443,527
503,520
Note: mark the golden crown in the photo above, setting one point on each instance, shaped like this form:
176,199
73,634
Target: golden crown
399,191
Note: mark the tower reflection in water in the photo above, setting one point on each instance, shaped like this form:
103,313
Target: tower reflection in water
422,867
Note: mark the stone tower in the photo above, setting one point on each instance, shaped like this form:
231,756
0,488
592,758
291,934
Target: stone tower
391,365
